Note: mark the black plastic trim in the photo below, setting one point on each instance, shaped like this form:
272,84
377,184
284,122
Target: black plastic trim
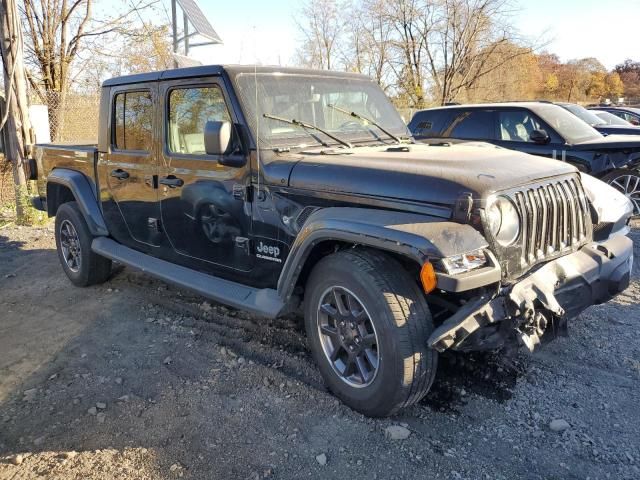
417,237
85,194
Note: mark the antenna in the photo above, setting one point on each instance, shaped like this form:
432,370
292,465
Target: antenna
255,84
191,15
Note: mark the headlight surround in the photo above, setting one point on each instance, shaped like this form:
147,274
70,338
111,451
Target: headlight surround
503,220
465,262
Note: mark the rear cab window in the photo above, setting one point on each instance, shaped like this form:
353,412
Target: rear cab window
132,121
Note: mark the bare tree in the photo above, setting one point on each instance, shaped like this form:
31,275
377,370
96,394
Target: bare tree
16,118
423,50
412,21
56,32
463,47
322,28
369,48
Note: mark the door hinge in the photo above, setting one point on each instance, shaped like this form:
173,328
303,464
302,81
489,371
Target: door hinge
151,181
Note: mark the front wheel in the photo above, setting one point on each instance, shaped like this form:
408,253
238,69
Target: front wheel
626,182
367,325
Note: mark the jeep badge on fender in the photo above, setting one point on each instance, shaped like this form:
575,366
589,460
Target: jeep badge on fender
268,252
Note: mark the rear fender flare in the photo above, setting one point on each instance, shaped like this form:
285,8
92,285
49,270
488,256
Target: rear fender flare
84,192
417,237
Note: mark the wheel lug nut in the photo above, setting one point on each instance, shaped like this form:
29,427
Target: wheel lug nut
351,347
352,325
341,337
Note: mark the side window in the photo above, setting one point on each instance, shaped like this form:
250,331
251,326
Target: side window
472,124
632,119
132,121
189,110
516,125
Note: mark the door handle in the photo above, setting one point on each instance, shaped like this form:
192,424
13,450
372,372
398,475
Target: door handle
171,181
120,174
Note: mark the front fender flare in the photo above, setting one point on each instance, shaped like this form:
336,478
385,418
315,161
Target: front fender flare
84,192
415,236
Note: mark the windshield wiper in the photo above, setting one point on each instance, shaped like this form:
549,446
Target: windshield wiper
308,126
367,120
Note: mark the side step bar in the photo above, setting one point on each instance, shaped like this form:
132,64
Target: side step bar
265,302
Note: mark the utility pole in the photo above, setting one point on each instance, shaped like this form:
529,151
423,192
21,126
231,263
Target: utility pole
15,121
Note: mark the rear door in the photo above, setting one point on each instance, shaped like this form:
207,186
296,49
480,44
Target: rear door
472,124
206,212
129,168
429,123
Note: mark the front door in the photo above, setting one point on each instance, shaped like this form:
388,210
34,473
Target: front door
206,213
127,170
514,128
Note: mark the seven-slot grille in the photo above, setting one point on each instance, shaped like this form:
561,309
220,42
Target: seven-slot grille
555,217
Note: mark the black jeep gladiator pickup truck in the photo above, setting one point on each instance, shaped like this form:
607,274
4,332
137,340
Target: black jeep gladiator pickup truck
277,189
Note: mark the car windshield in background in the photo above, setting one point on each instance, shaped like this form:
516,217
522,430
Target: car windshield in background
311,99
611,119
584,114
572,129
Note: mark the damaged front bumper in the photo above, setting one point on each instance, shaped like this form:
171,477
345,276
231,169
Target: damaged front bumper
541,303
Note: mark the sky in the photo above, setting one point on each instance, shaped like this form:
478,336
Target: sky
264,31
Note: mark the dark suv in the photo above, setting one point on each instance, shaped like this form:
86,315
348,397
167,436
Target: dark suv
539,128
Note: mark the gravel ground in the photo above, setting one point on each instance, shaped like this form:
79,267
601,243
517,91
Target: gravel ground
134,379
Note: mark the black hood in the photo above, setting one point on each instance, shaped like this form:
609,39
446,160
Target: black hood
611,142
617,130
424,173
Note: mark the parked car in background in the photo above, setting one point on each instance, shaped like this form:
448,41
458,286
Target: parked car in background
611,119
598,123
538,128
630,114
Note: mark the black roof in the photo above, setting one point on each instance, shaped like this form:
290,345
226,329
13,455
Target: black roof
622,108
529,104
212,70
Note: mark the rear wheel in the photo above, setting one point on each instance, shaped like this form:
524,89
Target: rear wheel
367,325
626,182
73,242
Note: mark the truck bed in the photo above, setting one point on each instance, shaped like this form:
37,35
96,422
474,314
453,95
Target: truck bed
80,157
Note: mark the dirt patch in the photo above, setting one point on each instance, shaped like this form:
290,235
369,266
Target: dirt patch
136,379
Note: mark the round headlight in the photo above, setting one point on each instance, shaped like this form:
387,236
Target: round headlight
503,221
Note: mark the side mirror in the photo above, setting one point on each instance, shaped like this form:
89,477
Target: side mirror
539,136
217,137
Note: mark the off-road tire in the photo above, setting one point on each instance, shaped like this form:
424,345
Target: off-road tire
402,322
92,267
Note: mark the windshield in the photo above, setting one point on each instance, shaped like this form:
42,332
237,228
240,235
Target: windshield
611,119
572,129
584,114
312,99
